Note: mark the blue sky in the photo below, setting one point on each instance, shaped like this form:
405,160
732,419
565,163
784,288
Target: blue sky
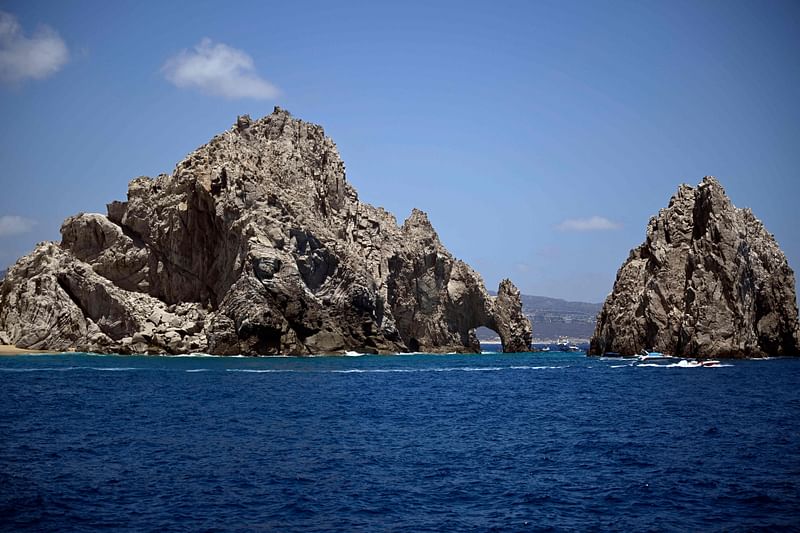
540,137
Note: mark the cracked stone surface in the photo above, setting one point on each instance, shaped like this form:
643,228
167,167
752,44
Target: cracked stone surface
255,244
709,281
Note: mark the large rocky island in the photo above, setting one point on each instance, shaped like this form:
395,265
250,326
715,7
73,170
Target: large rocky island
709,281
256,244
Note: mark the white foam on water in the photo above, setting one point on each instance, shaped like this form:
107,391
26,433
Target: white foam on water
348,353
260,370
684,364
27,369
199,370
443,369
204,355
384,370
70,368
470,369
537,367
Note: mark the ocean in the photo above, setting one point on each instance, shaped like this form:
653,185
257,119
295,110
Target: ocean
489,442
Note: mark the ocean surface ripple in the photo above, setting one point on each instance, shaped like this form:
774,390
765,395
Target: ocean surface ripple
492,442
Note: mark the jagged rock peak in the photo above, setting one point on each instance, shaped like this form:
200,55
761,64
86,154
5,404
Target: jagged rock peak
709,281
508,307
255,244
418,227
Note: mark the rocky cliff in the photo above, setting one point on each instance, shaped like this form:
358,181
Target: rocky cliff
709,281
256,244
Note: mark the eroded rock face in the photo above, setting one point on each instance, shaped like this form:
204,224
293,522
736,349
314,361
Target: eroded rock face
256,244
709,281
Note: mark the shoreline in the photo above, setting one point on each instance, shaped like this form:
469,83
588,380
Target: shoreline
539,341
10,349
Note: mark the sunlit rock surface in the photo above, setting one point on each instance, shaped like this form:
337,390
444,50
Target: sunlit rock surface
709,281
256,244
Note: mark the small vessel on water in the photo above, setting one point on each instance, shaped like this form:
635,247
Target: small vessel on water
658,357
653,356
565,346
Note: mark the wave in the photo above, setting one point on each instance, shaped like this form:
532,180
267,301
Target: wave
391,370
261,370
71,368
443,369
203,355
31,369
682,364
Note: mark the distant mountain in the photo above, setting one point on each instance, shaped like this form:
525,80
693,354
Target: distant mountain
557,305
3,274
554,317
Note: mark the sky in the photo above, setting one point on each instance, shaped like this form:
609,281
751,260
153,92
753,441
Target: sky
539,136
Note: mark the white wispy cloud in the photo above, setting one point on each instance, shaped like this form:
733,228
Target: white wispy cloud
34,57
220,70
594,223
15,225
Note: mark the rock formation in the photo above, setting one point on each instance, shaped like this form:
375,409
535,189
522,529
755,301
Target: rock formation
709,281
256,244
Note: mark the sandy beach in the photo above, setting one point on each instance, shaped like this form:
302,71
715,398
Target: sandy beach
8,349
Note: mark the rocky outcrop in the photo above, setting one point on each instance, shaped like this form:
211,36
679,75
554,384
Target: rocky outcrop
709,281
256,244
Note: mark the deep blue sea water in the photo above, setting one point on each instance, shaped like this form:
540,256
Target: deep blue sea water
492,442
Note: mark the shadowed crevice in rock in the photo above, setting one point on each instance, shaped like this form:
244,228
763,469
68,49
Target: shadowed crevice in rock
709,281
255,244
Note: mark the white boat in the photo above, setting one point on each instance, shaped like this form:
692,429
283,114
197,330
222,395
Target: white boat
653,356
564,345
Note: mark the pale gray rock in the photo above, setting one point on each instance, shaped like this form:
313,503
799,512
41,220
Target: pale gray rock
709,281
255,244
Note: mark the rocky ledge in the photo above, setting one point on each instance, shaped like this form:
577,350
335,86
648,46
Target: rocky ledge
256,244
709,281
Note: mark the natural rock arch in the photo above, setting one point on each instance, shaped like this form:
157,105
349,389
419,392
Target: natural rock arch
255,244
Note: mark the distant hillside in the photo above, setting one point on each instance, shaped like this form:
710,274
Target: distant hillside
557,305
554,317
